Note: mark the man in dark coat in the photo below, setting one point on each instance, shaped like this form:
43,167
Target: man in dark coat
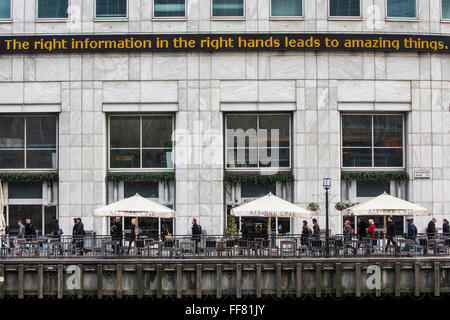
116,233
316,228
445,228
431,229
78,235
196,233
390,232
362,228
30,231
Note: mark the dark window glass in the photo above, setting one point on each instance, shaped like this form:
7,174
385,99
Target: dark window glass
357,157
126,142
11,159
149,227
111,8
23,212
345,8
5,9
49,217
258,140
52,8
388,131
170,8
145,189
25,190
250,190
401,8
356,131
445,9
12,130
41,159
286,8
284,225
371,189
228,8
41,132
388,157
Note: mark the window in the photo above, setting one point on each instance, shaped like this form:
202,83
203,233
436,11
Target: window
28,142
258,141
145,189
371,189
251,190
169,8
140,141
111,9
5,9
228,8
446,9
401,8
345,8
51,9
286,8
372,140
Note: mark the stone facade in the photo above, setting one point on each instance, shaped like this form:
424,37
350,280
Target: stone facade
198,87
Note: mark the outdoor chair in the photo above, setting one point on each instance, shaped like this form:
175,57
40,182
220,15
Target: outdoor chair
316,246
288,249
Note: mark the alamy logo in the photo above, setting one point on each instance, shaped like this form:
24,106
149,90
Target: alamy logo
374,280
74,279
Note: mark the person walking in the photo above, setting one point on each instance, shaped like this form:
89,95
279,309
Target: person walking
316,228
390,233
20,237
132,235
431,229
362,227
56,234
30,231
116,234
196,233
79,236
306,232
445,227
371,234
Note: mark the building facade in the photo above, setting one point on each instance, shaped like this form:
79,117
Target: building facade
81,130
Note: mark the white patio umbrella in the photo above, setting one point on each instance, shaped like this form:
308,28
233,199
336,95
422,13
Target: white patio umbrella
135,206
270,206
387,205
2,218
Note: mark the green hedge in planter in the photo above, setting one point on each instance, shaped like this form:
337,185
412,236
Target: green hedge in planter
258,178
375,176
29,177
143,177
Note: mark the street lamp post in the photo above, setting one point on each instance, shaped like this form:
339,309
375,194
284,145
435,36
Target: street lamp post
326,186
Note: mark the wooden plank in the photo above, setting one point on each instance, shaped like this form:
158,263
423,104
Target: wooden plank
99,281
298,275
238,280
60,281
199,281
397,279
258,280
358,279
338,280
278,280
437,279
159,281
417,288
40,281
140,281
219,281
2,281
119,275
318,280
179,282
20,280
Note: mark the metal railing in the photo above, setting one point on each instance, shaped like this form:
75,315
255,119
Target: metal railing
211,246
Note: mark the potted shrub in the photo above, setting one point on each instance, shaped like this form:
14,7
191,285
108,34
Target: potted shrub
341,206
312,206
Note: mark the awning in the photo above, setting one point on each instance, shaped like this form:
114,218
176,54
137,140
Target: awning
270,206
387,205
135,206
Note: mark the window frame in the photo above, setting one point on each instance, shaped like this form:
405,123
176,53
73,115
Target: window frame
351,18
10,19
257,168
25,143
52,19
108,19
170,18
302,17
401,19
237,18
373,168
140,169
441,8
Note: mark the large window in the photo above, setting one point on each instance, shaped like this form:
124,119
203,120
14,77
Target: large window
28,142
111,8
169,8
258,141
51,9
446,9
345,8
5,9
286,8
228,8
401,8
140,141
373,140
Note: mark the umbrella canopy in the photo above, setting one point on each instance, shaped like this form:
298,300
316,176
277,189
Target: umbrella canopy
135,206
270,206
2,218
385,205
